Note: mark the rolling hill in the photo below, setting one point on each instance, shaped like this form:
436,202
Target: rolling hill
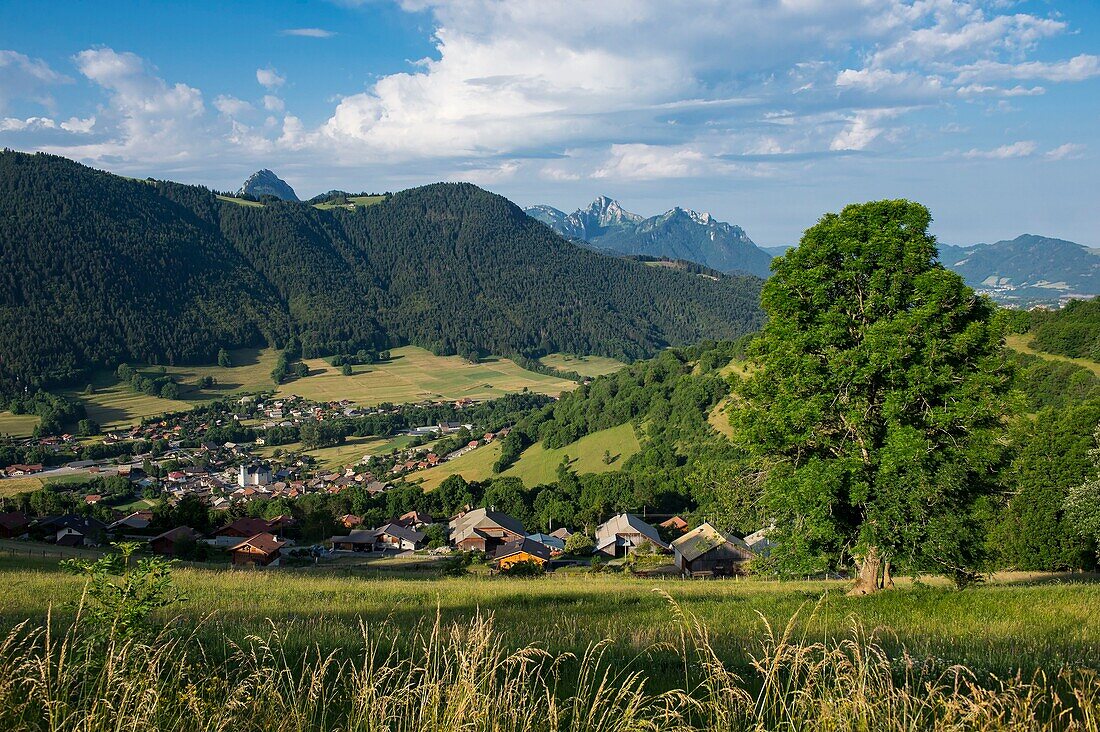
100,269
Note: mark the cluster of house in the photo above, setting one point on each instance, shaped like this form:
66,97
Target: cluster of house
414,459
247,541
702,551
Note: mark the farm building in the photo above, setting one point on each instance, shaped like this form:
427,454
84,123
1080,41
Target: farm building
13,524
706,550
624,534
168,543
242,528
391,536
484,530
261,550
524,550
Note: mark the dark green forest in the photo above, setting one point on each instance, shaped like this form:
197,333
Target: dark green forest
99,269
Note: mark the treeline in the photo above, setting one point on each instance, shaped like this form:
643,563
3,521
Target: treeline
161,385
54,412
98,270
1073,331
1044,453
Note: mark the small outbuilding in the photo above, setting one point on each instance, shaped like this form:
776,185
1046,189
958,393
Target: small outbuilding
707,551
261,550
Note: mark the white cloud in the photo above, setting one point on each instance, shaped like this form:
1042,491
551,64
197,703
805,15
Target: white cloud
863,129
273,103
14,124
79,126
652,162
1068,151
309,32
1020,149
269,78
1078,68
145,118
23,77
231,106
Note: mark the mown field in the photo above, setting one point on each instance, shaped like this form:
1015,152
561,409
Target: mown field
1019,342
357,201
414,374
537,464
584,365
1028,622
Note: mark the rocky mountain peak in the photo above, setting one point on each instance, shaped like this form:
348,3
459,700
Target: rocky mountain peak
265,183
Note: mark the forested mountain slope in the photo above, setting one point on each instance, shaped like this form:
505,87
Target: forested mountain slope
99,269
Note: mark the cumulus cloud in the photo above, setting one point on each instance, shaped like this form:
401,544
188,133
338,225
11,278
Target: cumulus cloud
231,106
23,77
564,91
269,78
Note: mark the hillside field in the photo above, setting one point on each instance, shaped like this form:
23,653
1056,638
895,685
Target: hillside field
591,366
413,374
17,424
357,201
1020,342
351,452
538,465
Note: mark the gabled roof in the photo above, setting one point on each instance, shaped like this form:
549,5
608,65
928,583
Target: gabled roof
246,526
703,539
524,545
553,542
482,518
627,523
180,532
264,542
400,532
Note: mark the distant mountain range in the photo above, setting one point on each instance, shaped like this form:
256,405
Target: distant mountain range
1027,270
265,183
676,234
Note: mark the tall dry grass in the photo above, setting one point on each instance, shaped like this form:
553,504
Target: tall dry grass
458,676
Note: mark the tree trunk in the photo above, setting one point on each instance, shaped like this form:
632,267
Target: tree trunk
870,574
887,576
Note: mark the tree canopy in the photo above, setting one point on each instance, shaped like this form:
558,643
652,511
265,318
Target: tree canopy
878,401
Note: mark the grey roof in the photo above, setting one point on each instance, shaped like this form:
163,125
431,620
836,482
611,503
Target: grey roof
626,523
703,539
401,532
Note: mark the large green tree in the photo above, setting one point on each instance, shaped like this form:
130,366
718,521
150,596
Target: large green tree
878,401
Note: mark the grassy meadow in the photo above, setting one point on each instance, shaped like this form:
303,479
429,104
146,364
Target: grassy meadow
375,650
1021,343
356,201
1020,621
413,374
352,451
537,464
592,366
17,424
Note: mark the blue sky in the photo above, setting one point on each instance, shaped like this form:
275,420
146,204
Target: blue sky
766,113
